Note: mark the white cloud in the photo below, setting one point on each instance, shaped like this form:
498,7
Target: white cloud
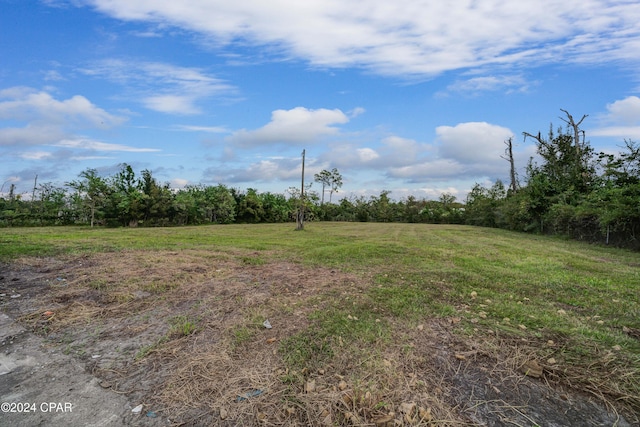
474,85
53,75
435,169
465,152
207,129
461,154
172,104
478,143
622,120
47,119
31,134
283,169
621,132
418,37
25,104
625,111
398,152
348,155
35,155
356,112
162,87
85,158
269,170
296,126
147,34
88,144
366,155
178,183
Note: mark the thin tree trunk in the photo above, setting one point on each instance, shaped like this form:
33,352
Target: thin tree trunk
576,131
300,222
509,152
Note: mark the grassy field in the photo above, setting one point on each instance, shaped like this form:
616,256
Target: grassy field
505,296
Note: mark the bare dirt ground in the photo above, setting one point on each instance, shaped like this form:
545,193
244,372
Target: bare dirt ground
86,340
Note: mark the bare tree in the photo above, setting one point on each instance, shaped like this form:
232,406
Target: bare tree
576,131
538,138
300,218
35,186
512,172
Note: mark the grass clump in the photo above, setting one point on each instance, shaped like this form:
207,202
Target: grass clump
331,332
183,326
150,348
242,335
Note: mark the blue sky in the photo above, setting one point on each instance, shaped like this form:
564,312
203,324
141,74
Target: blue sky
415,97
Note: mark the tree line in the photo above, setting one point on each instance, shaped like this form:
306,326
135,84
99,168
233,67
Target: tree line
570,190
129,199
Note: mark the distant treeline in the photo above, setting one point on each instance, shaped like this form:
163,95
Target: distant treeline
572,191
126,199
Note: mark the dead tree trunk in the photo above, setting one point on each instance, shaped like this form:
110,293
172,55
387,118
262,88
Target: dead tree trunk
576,131
35,186
536,137
512,172
300,218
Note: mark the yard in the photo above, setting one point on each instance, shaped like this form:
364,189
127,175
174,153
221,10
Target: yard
350,324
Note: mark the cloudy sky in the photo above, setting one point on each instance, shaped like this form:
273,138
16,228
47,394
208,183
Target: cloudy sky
411,96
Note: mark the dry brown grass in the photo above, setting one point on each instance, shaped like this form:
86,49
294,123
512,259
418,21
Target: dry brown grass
122,305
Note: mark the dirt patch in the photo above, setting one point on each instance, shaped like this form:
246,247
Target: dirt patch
183,335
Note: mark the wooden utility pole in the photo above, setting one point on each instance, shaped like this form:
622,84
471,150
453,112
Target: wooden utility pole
300,222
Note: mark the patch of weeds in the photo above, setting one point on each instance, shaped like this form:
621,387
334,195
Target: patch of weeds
77,349
256,317
402,300
355,324
96,332
99,284
242,335
123,297
244,332
517,313
116,297
291,378
144,351
332,329
305,349
286,309
159,286
252,260
443,310
509,328
182,326
148,349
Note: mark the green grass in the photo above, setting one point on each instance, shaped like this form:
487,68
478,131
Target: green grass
150,348
553,287
183,326
242,335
